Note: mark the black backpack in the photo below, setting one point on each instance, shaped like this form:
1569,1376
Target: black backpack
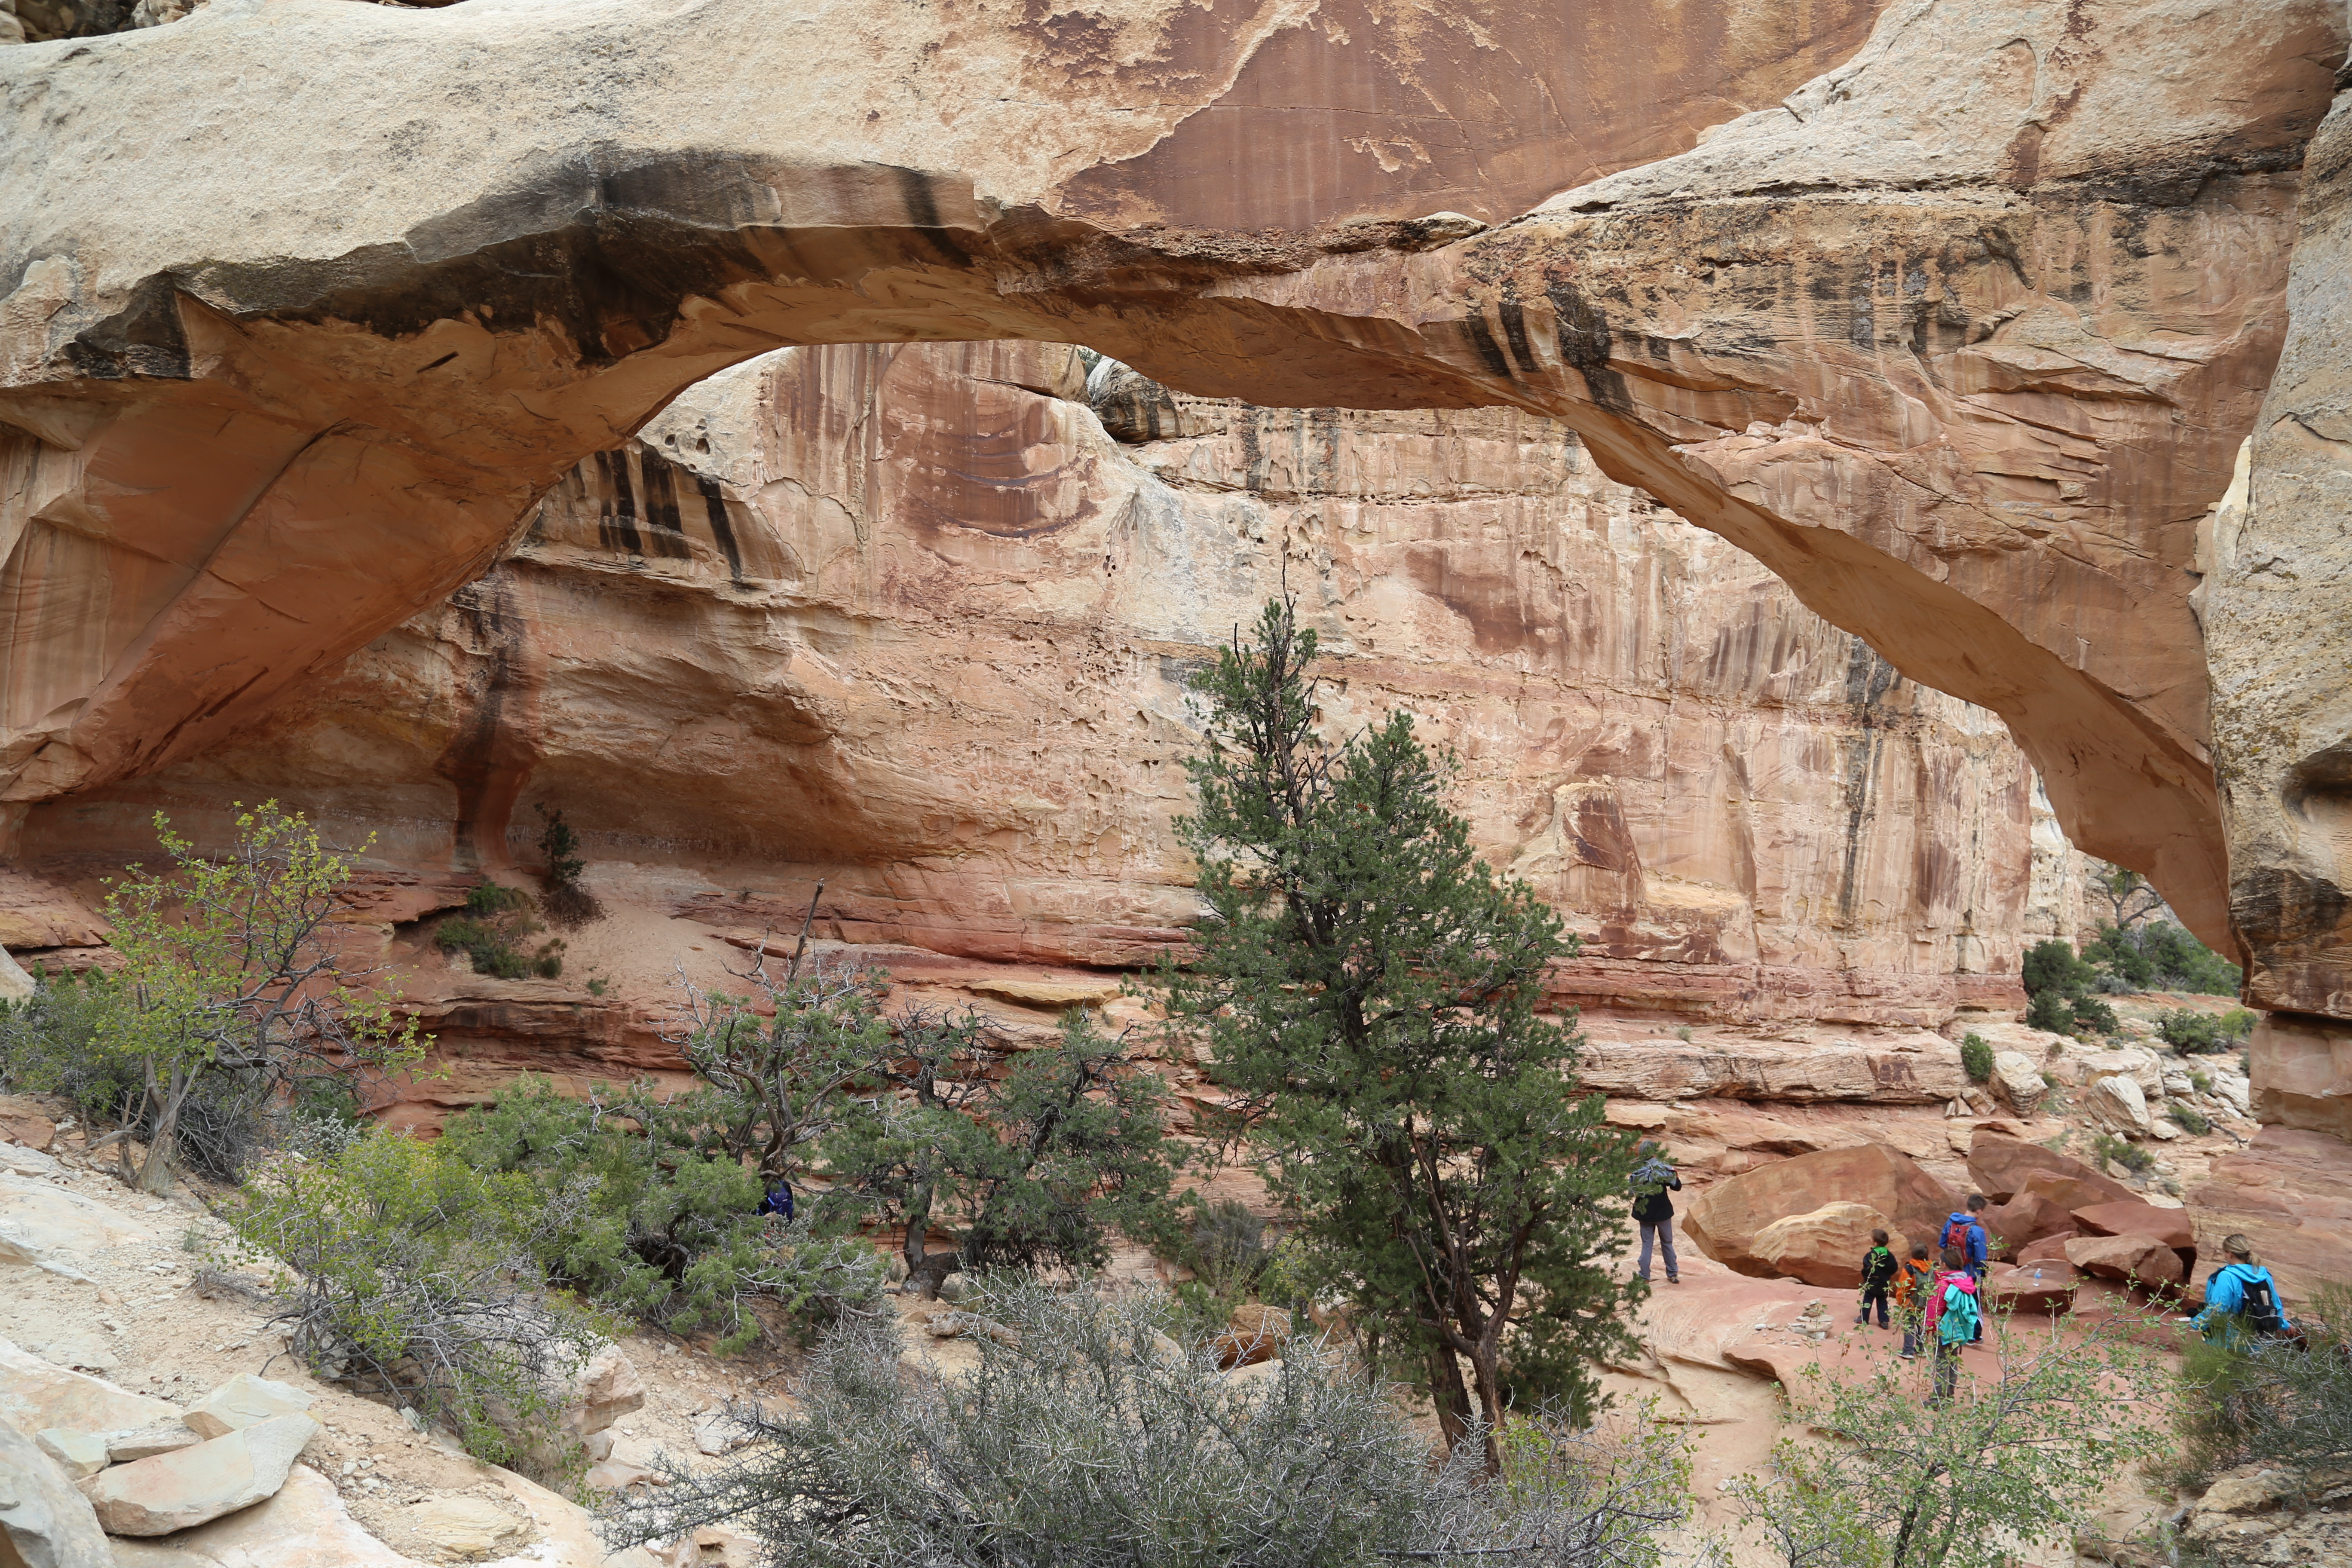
2259,1307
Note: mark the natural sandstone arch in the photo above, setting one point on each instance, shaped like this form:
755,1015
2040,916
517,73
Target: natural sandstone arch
306,301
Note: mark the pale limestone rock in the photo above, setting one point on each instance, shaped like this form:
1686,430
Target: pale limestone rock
195,1485
79,1454
466,1527
245,1399
305,1525
146,1442
61,1231
35,1394
2017,1080
43,1522
1824,1245
2117,1105
606,1388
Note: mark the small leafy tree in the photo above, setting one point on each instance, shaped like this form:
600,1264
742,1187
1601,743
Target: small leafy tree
232,972
1087,1438
1368,988
1898,1481
2131,897
567,900
2057,985
1036,1158
775,1086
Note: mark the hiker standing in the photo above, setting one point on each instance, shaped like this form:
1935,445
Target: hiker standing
1912,1282
1878,1277
1654,1178
1953,1320
2241,1299
1964,1231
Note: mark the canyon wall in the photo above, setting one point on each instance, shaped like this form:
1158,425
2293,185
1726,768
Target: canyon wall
1960,336
910,619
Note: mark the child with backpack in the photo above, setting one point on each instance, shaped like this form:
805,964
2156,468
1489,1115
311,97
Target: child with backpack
2241,1299
1877,1277
1912,1281
1953,1320
1964,1231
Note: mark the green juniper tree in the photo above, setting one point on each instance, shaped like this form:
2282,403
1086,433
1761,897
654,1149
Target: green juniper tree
1367,987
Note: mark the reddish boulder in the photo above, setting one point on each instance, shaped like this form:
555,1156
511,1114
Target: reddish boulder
2072,1192
1725,1220
2290,1194
2050,1248
1824,1246
2169,1226
1999,1166
2025,1219
2139,1259
2042,1286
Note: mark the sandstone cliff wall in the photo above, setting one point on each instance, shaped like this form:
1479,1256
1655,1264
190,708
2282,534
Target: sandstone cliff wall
910,619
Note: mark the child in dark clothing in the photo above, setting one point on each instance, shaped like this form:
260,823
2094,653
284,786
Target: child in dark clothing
1878,1277
1911,1283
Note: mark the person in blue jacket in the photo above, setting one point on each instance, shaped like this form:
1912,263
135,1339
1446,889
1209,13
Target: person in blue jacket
2240,1297
1965,1233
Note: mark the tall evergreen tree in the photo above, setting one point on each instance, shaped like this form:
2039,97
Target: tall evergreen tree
1367,987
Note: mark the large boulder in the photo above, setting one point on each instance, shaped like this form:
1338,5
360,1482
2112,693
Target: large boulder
2119,1105
2025,1219
2072,1192
23,1123
35,1394
1725,1220
2049,1249
197,1485
2045,1287
304,1526
245,1401
2171,1227
2000,1165
2138,1259
44,1523
1823,1247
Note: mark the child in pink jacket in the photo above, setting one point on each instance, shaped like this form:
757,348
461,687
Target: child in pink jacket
1954,1318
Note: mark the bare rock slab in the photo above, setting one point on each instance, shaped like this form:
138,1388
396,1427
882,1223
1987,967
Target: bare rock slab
35,1394
245,1401
197,1485
1824,1246
304,1526
44,1523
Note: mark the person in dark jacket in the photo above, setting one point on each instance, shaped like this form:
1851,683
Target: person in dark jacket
1878,1277
779,1200
1654,1178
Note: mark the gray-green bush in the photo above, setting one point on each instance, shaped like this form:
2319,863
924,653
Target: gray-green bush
1087,1438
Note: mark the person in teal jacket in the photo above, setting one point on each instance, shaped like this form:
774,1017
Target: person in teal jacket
2240,1296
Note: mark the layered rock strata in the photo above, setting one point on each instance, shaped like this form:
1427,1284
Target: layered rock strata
1959,339
909,621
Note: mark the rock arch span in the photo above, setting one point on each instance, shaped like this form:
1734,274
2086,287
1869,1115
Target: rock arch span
303,303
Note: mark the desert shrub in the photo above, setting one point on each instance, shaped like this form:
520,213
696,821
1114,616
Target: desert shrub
2157,956
2128,1155
2193,1032
1225,1245
2052,965
492,932
1976,1059
2093,1016
643,1216
2201,1082
1088,1440
413,1279
2191,1121
2012,1461
2051,1010
563,897
2277,1401
52,1043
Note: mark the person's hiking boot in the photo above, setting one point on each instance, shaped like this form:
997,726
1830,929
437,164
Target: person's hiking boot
1674,1278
